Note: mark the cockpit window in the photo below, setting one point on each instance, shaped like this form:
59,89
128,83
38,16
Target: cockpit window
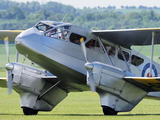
61,32
52,33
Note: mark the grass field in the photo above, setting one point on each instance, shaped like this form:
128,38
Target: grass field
77,105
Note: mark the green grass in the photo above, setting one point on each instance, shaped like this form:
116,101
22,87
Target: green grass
77,106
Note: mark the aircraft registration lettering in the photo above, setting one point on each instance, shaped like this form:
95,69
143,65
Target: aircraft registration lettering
154,85
146,70
151,82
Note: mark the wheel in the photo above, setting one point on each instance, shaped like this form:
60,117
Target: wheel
29,111
109,111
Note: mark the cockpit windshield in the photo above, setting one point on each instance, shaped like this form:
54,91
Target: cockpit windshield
54,29
47,25
42,27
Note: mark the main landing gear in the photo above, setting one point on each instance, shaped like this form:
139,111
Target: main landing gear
109,111
29,111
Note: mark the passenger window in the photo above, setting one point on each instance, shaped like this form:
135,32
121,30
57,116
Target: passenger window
94,45
110,49
135,60
76,38
126,54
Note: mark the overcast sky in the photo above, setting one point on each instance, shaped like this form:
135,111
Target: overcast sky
102,3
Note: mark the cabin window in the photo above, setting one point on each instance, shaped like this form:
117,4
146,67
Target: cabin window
76,38
120,56
94,45
110,49
59,33
135,60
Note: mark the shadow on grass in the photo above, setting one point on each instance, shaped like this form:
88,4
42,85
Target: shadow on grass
136,114
82,114
96,114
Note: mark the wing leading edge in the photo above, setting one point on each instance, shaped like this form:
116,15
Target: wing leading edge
128,37
11,34
148,84
3,83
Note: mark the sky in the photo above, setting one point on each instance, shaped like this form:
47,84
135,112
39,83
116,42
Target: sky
101,3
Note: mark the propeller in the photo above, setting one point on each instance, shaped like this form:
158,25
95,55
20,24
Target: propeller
9,68
89,67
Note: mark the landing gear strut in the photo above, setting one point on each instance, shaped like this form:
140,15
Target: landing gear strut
109,111
29,111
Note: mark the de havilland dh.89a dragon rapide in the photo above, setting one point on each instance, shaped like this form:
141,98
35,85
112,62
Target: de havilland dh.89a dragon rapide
79,59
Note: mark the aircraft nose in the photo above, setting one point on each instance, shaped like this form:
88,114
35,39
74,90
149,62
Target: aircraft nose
28,42
17,39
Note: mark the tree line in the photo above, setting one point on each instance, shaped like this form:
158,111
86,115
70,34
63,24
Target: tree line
14,15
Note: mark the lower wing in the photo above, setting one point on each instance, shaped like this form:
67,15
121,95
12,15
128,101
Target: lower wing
148,84
3,82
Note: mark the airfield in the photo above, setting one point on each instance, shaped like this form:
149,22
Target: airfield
78,105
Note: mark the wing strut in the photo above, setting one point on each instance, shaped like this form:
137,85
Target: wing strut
40,96
105,51
152,50
17,54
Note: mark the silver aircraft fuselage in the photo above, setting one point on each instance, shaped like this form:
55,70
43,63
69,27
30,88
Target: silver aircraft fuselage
60,57
107,67
56,56
65,59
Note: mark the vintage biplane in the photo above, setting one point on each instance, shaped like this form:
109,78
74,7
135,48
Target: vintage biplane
76,59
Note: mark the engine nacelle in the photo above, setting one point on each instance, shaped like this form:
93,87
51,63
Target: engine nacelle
29,83
113,90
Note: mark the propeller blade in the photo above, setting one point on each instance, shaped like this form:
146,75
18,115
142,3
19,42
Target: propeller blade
88,67
9,68
84,50
91,81
9,81
7,47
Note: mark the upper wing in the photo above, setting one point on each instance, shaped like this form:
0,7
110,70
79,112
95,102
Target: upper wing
3,82
129,37
11,34
145,83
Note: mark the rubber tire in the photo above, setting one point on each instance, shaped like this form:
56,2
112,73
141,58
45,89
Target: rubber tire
29,111
109,111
